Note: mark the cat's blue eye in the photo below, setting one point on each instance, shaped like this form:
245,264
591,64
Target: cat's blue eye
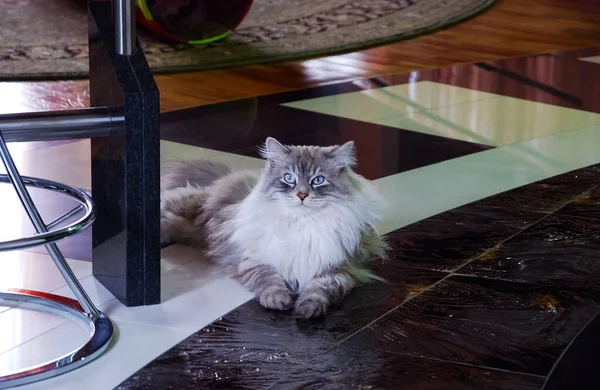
289,178
317,181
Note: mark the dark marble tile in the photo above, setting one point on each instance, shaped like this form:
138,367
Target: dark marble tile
491,323
353,368
197,363
559,79
333,89
449,240
559,251
552,78
239,127
516,83
563,74
585,206
551,194
311,93
577,368
591,331
252,347
497,78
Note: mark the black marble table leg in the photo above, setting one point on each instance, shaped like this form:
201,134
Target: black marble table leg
125,168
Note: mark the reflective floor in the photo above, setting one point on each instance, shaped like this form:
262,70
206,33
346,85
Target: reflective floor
492,172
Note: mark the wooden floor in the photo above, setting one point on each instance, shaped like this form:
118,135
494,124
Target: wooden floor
512,28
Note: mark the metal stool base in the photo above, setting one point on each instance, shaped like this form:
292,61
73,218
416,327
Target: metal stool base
84,310
101,331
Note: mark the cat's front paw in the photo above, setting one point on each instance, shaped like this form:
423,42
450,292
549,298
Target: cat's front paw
310,308
277,298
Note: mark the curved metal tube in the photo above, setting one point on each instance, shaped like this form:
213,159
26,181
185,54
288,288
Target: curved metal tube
52,236
124,20
55,125
101,332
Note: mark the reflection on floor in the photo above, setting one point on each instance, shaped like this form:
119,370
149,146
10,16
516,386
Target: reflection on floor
492,174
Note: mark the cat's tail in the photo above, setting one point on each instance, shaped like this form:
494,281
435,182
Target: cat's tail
182,216
195,173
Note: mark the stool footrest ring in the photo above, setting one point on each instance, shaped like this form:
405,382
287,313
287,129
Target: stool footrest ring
49,237
100,328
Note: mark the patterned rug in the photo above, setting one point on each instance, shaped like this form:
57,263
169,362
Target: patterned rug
48,39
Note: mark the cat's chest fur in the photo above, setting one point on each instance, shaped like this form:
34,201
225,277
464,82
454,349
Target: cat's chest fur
299,247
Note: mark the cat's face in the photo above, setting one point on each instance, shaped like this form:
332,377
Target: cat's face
309,177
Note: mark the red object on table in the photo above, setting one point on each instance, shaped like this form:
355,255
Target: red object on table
192,21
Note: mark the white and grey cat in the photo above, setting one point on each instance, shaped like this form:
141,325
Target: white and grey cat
297,234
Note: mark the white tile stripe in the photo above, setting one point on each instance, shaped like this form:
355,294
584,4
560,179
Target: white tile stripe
424,192
593,59
453,112
413,196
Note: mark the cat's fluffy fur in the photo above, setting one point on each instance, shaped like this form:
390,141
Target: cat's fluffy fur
305,253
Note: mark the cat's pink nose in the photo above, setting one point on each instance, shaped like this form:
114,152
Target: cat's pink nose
302,195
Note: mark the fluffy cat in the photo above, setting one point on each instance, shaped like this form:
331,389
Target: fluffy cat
297,234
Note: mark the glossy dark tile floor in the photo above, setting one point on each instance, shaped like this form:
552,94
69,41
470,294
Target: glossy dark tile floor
356,368
484,296
499,293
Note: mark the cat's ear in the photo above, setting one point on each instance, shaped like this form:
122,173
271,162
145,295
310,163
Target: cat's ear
344,155
273,149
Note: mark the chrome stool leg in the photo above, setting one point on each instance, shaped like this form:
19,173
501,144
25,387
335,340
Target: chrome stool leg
40,227
100,327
